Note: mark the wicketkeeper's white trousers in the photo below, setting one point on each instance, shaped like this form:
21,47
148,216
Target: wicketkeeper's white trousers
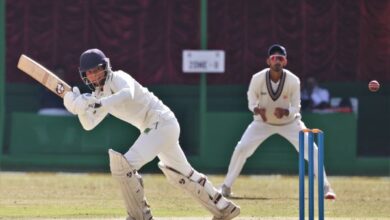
255,134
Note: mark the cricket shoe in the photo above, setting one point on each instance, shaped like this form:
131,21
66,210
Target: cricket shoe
329,193
131,218
229,212
226,191
147,216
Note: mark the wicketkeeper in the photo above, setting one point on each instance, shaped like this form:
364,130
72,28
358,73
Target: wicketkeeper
274,98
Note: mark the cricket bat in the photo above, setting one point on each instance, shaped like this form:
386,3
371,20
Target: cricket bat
43,75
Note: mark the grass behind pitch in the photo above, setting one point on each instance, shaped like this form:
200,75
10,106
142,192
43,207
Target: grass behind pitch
96,196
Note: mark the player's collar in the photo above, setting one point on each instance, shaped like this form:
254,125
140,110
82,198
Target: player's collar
275,95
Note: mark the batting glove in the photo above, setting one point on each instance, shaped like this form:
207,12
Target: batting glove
93,102
69,99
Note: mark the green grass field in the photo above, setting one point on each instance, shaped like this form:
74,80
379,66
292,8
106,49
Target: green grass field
96,196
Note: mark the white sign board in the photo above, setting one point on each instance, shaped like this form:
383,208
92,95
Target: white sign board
203,61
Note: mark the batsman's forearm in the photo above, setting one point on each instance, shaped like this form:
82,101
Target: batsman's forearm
117,98
90,119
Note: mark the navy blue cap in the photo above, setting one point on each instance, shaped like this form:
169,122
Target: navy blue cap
276,48
92,58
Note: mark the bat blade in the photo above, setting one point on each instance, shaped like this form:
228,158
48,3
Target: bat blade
43,75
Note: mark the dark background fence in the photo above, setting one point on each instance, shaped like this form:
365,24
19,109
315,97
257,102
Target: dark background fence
332,40
344,44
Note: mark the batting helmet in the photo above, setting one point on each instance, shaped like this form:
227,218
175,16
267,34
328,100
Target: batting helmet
90,59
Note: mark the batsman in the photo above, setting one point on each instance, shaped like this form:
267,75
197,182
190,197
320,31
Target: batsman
119,94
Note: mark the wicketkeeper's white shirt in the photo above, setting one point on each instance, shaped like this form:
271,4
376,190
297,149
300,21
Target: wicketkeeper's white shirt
287,95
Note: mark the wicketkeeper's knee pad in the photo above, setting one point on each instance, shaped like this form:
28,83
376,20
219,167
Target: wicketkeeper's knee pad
131,186
196,189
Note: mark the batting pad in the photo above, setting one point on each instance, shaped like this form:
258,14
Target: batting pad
131,186
196,189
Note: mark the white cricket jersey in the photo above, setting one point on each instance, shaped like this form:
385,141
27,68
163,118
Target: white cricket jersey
287,96
123,97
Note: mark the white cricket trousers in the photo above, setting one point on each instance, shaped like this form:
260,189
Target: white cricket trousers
161,140
255,134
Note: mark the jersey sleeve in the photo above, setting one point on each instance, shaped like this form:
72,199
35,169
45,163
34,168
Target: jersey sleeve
295,106
124,86
252,93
